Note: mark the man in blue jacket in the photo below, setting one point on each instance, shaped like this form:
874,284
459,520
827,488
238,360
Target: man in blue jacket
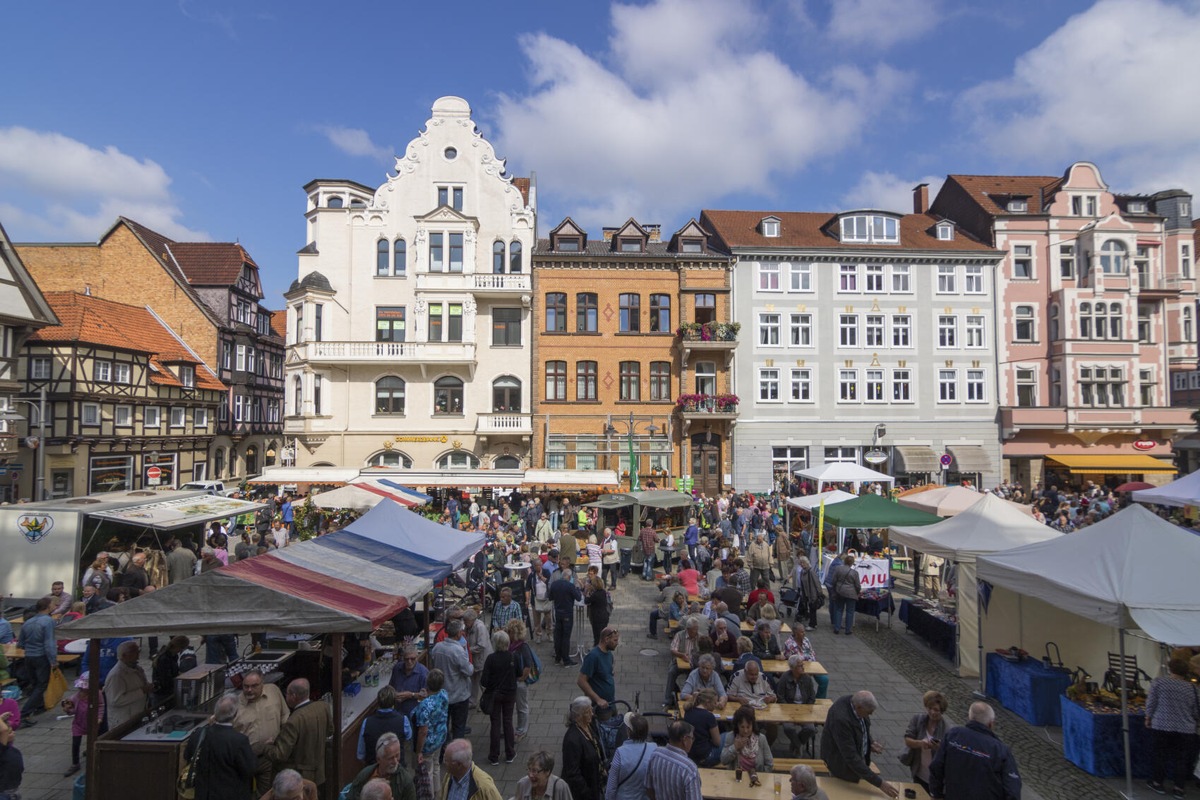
973,764
564,594
41,656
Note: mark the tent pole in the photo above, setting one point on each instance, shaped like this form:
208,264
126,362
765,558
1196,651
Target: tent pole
428,643
1125,719
336,771
93,720
981,694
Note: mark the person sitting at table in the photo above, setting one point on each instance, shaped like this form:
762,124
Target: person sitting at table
688,577
761,597
714,578
704,676
771,617
745,654
798,688
804,784
924,733
846,744
682,648
765,644
671,610
732,620
750,687
706,746
746,748
799,643
724,642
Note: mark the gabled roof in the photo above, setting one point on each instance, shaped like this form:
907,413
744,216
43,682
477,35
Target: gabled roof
279,323
522,185
691,230
211,263
36,310
819,230
991,191
91,320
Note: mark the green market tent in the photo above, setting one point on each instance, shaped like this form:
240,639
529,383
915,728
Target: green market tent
873,511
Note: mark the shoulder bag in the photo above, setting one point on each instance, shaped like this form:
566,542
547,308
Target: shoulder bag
186,784
633,772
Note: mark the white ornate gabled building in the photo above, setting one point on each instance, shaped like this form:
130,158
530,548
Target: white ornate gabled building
409,321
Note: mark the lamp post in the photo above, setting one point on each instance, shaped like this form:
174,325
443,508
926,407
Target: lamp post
634,484
40,459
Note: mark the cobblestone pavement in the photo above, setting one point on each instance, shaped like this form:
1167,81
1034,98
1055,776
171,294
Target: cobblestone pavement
897,667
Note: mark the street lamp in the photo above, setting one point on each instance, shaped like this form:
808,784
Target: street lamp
876,455
609,430
12,416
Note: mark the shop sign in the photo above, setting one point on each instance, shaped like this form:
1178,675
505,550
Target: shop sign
873,573
1145,444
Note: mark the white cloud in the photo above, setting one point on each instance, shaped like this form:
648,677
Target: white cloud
887,191
355,142
881,23
681,110
60,188
1112,85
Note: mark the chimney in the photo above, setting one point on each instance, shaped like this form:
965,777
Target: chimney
921,198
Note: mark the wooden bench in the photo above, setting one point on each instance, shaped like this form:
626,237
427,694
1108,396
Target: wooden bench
7,681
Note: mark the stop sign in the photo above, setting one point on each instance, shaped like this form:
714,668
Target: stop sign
154,473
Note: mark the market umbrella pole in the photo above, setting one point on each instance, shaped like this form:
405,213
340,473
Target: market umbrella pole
981,694
93,657
1125,719
336,773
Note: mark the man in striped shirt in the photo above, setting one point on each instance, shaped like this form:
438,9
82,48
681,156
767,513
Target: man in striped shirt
671,775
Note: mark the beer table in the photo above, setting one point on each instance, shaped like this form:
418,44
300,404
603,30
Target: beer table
792,713
722,784
773,666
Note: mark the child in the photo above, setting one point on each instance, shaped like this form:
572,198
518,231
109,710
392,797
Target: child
77,705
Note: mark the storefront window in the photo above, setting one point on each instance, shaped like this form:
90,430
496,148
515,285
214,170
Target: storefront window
110,474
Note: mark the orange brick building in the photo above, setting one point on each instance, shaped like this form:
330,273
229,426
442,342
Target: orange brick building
632,335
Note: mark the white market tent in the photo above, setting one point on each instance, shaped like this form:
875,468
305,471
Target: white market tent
1132,571
844,472
950,500
812,502
1182,492
991,525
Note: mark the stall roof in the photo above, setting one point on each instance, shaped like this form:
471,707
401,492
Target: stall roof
570,478
844,472
328,476
109,501
1183,492
650,498
990,525
178,512
395,537
950,500
813,501
873,511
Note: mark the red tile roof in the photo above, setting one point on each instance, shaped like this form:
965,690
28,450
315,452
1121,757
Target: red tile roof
211,263
991,192
523,185
104,323
819,230
279,323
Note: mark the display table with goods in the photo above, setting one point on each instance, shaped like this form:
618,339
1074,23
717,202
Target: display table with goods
1092,740
1027,687
875,602
937,627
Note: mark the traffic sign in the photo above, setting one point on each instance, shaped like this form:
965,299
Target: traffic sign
154,474
946,460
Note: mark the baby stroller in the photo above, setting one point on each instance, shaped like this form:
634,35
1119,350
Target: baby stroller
610,733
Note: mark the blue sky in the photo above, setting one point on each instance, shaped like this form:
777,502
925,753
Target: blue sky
203,118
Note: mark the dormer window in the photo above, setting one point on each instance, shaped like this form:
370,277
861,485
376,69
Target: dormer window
945,232
770,227
569,244
1083,205
187,376
1137,207
629,245
1017,205
872,228
691,246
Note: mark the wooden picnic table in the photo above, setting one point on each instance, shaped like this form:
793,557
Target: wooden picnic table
11,651
773,666
722,784
794,713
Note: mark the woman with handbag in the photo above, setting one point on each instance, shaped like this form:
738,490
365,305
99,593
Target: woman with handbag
811,596
528,670
582,762
499,698
924,733
847,586
627,773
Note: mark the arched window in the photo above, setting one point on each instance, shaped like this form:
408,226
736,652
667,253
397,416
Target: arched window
506,394
219,463
1085,320
514,257
334,202
1187,323
1053,322
298,396
507,462
498,257
1112,257
382,257
448,396
389,395
390,458
459,459
251,460
399,257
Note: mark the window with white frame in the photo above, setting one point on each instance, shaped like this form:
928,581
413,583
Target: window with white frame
1056,393
770,227
1146,387
768,330
1179,380
102,371
241,358
976,390
768,276
1145,323
123,416
151,417
1022,261
239,408
121,373
1054,322
801,330
1187,324
901,283
556,451
874,228
848,278
178,420
768,385
1112,257
875,386
1024,326
873,330
1141,261
187,376
947,330
1083,205
874,277
39,368
1194,380
947,386
800,277
1185,260
848,330
1066,261
901,330
975,331
89,414
1101,387
1100,321
1026,388
945,278
973,279
841,455
786,461
801,385
848,385
200,417
901,386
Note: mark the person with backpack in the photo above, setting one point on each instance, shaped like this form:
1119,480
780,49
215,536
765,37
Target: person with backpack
528,668
847,586
540,604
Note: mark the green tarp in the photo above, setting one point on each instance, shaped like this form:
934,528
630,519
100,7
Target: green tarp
873,511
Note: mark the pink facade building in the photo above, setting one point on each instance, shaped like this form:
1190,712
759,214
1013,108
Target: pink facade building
1096,311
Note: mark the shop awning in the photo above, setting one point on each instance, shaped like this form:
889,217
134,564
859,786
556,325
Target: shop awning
915,458
325,476
180,512
969,458
570,478
1117,464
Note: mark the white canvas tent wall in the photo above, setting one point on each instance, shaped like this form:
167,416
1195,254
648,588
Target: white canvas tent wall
1182,492
950,500
991,525
1133,570
844,472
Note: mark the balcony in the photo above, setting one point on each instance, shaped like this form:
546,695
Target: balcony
709,336
479,283
387,352
1162,285
504,424
1016,418
707,406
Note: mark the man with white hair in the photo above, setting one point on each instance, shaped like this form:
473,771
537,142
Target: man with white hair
846,744
377,789
462,779
387,770
126,687
225,764
973,764
479,646
804,784
288,785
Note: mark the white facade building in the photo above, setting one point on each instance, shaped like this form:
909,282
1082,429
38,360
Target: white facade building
866,336
408,325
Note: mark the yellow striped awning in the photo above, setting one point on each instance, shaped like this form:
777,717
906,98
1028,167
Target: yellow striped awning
1116,463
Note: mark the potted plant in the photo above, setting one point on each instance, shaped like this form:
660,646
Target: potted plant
689,402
